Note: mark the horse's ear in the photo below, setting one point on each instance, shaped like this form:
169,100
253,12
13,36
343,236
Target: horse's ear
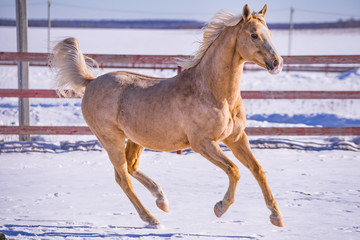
263,10
246,13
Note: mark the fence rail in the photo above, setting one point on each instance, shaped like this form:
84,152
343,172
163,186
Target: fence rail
298,131
47,93
327,63
255,131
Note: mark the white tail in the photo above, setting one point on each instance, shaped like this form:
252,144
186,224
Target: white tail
73,68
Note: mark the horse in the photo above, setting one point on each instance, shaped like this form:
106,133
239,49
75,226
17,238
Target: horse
197,108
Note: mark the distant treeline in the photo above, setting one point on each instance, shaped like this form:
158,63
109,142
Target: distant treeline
168,24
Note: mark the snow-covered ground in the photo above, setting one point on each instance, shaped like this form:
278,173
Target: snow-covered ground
73,195
144,41
52,192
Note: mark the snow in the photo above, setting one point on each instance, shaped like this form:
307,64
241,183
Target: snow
126,41
63,187
73,195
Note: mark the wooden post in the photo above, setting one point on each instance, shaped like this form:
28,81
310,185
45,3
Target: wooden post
291,29
178,72
23,67
49,25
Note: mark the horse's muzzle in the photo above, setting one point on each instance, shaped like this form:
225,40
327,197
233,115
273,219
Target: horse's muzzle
276,66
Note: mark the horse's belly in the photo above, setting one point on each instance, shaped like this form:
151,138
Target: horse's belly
156,136
161,146
160,143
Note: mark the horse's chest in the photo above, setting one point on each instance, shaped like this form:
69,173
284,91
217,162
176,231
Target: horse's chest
236,122
228,129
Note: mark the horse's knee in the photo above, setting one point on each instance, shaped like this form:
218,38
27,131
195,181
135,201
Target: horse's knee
234,173
259,171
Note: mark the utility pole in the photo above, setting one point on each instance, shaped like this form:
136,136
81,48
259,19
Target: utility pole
49,25
291,29
23,67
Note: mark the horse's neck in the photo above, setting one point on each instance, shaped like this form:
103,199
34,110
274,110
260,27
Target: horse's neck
221,68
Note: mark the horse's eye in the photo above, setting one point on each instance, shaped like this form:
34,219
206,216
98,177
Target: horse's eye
254,36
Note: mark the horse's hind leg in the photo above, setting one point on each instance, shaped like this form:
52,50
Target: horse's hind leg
114,144
242,151
133,152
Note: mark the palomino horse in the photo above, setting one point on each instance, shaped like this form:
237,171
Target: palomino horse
197,108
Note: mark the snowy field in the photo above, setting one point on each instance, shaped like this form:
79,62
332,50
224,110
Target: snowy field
73,195
53,192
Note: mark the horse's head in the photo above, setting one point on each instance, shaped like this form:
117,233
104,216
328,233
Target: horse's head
254,41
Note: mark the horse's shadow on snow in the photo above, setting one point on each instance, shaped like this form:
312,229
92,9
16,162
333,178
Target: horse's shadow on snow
85,231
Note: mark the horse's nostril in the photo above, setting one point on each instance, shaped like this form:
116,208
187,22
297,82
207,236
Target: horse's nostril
275,63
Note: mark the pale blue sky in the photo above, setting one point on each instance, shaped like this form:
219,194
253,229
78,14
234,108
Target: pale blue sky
203,10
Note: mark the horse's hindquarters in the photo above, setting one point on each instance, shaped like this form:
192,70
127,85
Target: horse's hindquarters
145,110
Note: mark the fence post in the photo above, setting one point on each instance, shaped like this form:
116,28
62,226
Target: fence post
290,29
178,72
49,25
23,67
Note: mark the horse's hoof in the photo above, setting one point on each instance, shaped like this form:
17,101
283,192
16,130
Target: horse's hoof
156,226
217,209
152,222
277,221
163,204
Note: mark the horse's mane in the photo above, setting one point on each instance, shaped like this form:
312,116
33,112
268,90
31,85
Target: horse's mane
218,23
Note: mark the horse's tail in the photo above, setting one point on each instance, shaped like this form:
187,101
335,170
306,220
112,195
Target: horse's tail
74,70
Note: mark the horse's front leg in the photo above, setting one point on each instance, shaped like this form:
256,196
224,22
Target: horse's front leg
212,151
242,151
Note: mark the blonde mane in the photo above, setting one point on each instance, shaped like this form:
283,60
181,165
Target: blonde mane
218,23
